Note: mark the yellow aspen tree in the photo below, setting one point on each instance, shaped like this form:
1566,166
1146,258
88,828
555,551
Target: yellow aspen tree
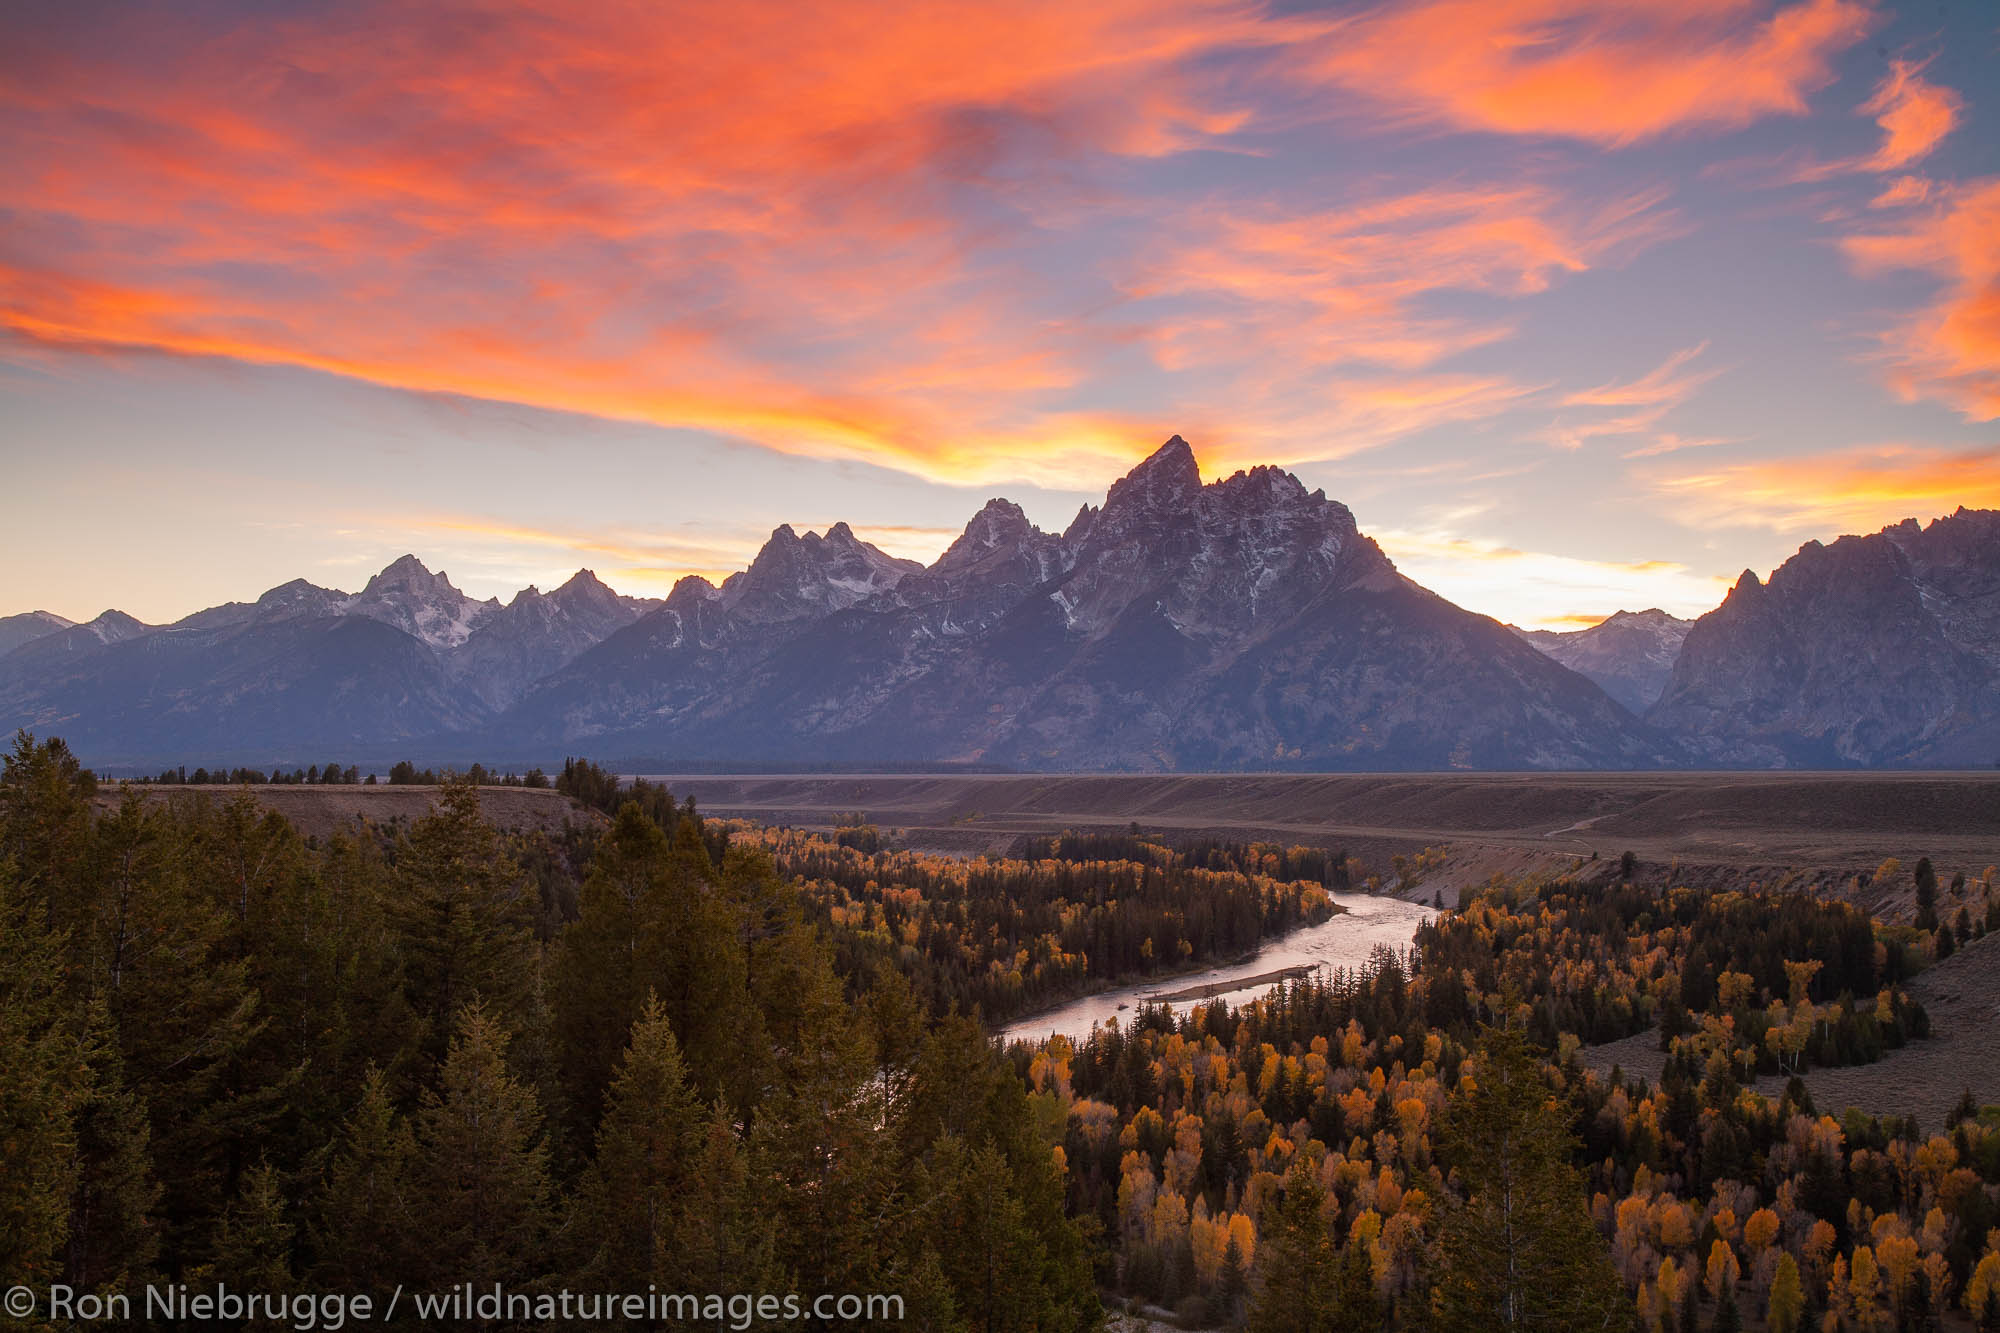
1983,1289
1864,1285
1723,1270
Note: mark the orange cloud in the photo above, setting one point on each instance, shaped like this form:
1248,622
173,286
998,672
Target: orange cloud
752,219
1343,284
1915,115
1858,490
810,228
1902,192
1327,321
1951,349
1608,74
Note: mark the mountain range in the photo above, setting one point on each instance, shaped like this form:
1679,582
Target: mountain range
1239,625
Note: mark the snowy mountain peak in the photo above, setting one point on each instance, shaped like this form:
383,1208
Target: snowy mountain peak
409,574
114,626
794,576
1629,654
413,599
29,626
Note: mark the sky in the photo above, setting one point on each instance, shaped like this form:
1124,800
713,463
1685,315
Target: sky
1578,306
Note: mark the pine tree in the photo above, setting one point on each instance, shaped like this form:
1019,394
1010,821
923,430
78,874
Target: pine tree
1295,1277
650,920
1926,879
45,796
112,1236
366,1229
1355,1307
464,918
156,952
985,1247
1520,1251
253,1244
817,1136
481,1184
726,1242
1232,1284
635,1193
46,1084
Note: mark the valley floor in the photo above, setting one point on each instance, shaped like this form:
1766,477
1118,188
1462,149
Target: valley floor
1706,829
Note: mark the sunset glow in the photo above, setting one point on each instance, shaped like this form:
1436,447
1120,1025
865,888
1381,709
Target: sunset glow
1616,299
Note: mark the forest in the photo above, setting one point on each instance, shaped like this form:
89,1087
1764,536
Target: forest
1006,936
659,1051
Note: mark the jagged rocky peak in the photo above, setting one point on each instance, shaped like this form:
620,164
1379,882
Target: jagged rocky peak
813,574
1000,527
1883,649
406,573
418,602
1169,477
999,523
585,590
689,589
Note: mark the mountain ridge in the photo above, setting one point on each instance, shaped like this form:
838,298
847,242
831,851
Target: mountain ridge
1242,624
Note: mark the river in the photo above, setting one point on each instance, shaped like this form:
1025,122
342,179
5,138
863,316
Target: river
1344,940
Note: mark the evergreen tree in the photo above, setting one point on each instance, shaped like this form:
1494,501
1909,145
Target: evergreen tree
464,919
726,1241
45,796
817,1136
155,950
1296,1276
1520,1251
1233,1284
112,1237
1355,1306
366,1230
253,1244
985,1247
651,919
481,1186
636,1191
1926,879
46,1084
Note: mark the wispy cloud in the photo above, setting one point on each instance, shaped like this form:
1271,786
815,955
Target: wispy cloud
1632,407
1914,115
1950,349
1607,74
